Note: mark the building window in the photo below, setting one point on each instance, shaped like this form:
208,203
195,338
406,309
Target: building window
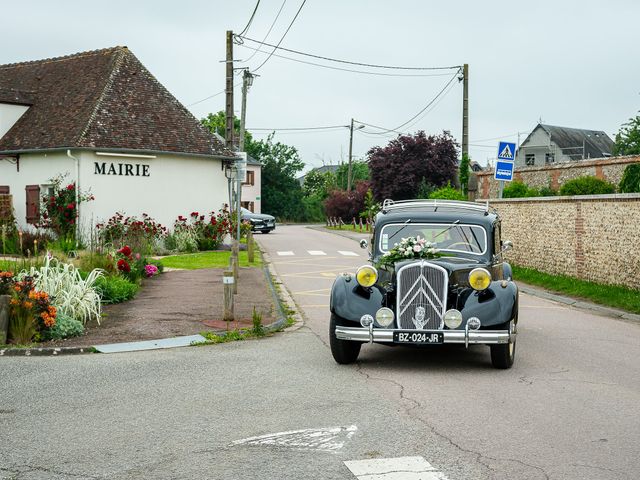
33,203
250,180
530,159
5,190
549,158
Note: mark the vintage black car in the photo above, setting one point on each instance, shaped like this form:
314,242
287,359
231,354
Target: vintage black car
463,292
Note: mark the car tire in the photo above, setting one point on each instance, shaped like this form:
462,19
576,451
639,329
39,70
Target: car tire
503,355
344,351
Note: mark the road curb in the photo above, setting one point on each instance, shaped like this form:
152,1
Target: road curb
282,297
357,236
45,351
578,303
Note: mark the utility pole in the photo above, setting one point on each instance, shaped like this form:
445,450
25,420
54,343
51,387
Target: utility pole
247,81
350,154
465,109
228,137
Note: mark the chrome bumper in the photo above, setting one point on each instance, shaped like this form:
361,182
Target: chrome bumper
488,337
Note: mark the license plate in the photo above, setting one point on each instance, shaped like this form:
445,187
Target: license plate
418,337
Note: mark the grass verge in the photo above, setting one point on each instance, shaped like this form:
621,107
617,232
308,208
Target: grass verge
610,295
217,259
349,228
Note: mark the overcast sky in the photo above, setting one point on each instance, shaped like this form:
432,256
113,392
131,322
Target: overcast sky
569,63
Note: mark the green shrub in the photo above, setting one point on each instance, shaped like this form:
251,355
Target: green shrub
518,189
313,208
547,192
65,327
630,182
115,289
448,193
587,186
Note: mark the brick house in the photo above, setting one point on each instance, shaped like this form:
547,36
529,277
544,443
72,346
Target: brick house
102,118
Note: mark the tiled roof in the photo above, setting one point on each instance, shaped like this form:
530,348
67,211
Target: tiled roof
99,99
577,143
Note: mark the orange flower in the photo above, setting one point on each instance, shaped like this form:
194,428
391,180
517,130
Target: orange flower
28,304
14,301
52,310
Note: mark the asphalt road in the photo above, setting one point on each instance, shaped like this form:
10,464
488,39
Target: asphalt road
280,408
568,409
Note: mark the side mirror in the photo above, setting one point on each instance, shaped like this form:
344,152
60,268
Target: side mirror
507,245
364,243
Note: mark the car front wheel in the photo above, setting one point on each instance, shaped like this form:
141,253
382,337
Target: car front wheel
343,351
503,355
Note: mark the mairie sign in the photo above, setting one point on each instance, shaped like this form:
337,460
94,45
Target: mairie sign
504,171
506,151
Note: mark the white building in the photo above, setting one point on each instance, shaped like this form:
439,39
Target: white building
101,118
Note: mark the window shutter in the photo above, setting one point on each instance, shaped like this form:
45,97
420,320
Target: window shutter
33,203
4,190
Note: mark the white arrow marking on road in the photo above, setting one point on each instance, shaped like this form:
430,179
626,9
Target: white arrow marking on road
316,252
402,468
323,439
285,254
347,253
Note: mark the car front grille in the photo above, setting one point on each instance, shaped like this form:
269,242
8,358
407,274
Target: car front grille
422,296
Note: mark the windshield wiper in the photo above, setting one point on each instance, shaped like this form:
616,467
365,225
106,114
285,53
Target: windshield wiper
407,222
447,229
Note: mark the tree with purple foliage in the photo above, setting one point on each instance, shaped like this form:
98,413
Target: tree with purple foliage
398,169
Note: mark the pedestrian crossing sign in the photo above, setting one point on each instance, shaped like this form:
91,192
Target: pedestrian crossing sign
507,151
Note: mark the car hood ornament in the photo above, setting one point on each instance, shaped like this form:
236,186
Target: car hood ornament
418,320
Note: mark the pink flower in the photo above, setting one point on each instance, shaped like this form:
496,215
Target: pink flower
417,248
150,270
137,256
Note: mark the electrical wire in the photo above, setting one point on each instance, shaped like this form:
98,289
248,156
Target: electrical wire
268,33
250,19
212,96
349,69
427,112
298,128
360,64
282,38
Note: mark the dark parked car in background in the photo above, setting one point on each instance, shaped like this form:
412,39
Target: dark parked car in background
259,222
440,278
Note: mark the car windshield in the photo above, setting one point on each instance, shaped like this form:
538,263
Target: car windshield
447,237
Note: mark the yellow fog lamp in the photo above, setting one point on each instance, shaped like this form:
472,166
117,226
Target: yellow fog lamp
479,279
367,276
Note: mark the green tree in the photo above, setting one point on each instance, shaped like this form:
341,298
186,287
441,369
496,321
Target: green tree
359,171
317,183
217,123
281,192
630,182
464,172
628,138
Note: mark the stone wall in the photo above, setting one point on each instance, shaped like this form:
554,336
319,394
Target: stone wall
609,169
592,237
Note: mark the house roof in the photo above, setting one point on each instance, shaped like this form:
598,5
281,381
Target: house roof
322,169
98,99
571,140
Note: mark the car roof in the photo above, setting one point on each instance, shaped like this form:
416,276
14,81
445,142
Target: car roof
438,211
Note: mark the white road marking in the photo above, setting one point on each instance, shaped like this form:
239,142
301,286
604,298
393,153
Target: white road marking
402,468
285,254
316,252
348,254
322,439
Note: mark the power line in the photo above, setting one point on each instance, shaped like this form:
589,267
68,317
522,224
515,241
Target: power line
371,65
211,96
282,38
250,19
256,50
268,32
298,128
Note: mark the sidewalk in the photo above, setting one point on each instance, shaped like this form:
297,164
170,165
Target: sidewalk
178,303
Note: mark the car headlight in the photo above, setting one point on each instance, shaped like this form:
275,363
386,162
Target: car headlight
384,317
479,279
452,319
366,276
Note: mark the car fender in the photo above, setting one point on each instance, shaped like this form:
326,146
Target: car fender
350,301
494,306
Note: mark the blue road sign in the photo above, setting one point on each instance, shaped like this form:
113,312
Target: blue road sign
504,171
507,151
